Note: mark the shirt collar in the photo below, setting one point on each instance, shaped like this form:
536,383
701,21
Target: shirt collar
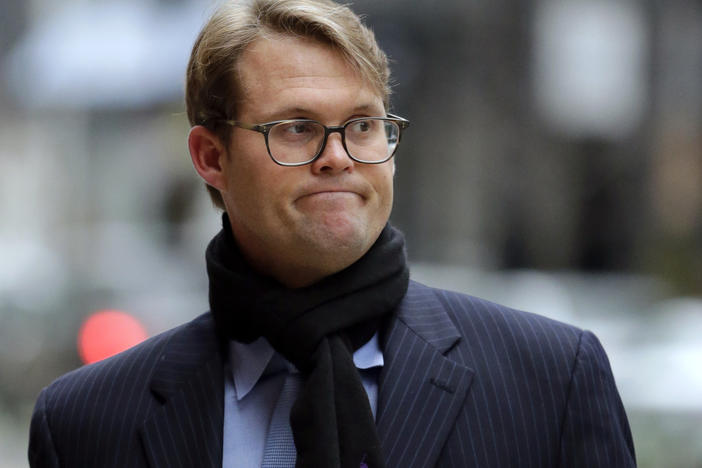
250,361
369,355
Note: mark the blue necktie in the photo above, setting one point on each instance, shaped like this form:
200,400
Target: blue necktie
280,447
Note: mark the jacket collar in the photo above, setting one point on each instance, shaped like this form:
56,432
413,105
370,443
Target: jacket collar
188,380
421,389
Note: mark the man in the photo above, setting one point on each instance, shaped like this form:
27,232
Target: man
311,306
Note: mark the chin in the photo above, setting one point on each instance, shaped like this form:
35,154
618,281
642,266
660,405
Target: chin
339,238
344,238
339,235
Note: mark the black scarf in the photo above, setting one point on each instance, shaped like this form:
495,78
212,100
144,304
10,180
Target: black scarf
317,328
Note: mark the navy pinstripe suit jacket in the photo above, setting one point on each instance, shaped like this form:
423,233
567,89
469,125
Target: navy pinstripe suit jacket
466,383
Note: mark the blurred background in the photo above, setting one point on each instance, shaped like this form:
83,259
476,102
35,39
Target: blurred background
554,164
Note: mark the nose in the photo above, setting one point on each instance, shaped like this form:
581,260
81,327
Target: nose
333,158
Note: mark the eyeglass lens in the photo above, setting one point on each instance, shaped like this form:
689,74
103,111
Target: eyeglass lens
370,140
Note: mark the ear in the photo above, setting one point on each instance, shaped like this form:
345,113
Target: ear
207,153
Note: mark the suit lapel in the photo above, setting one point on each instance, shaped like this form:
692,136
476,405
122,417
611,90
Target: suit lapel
421,390
186,430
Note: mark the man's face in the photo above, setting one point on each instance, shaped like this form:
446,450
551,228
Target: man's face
299,224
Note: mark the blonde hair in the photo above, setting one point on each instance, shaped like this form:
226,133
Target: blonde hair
211,87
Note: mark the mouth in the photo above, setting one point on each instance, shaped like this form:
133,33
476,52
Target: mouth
331,191
336,200
331,194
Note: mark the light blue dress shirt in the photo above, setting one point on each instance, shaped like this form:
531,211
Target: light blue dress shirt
251,388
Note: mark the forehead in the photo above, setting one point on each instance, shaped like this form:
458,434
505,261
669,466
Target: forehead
278,72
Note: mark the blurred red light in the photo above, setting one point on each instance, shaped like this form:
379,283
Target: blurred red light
108,332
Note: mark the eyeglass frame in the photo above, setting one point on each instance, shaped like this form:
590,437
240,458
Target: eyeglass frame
265,129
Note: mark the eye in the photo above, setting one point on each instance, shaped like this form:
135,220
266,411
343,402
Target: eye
296,132
298,128
362,126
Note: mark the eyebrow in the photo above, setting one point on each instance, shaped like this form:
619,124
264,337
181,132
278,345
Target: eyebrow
292,112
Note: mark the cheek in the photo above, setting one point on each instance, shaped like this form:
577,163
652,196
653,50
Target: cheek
245,189
385,184
382,181
263,194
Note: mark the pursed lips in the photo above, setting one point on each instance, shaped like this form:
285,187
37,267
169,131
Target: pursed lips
331,193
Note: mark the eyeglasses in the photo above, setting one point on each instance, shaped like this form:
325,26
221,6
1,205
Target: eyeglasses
296,142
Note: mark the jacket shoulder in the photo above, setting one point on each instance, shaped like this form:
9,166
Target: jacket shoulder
499,327
104,404
121,375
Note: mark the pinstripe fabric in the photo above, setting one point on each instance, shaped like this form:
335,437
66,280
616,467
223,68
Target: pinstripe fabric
540,393
158,404
466,383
